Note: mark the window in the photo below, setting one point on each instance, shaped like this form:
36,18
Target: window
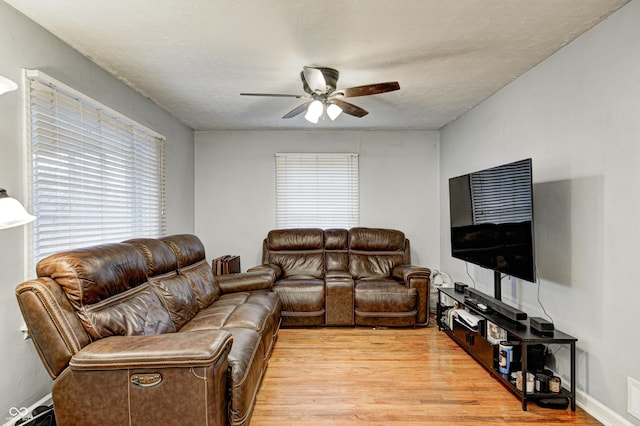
95,175
317,190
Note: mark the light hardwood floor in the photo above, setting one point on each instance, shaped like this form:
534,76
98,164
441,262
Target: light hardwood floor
364,376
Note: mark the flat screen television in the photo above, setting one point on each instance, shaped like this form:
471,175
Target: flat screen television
492,224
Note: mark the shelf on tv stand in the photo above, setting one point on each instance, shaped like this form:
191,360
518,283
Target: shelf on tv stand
484,352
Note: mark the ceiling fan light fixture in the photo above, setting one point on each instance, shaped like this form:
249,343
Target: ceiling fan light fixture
314,112
319,84
333,111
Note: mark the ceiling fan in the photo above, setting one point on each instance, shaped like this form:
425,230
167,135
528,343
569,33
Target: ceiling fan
319,84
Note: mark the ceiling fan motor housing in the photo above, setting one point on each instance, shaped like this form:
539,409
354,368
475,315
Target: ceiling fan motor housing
330,79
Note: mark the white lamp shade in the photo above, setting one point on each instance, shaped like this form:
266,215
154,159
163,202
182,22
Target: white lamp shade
6,85
13,214
333,111
314,112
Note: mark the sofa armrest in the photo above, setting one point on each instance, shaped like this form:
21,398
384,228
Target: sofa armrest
248,281
195,348
406,273
417,277
172,378
268,267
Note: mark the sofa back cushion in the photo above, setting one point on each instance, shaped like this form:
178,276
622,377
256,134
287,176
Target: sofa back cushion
375,252
137,311
175,291
107,286
187,248
202,282
336,249
92,274
177,297
159,258
298,252
193,265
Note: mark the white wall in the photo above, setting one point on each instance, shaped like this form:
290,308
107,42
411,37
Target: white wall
23,44
235,186
578,116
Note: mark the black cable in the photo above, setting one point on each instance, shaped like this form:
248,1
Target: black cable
539,301
466,266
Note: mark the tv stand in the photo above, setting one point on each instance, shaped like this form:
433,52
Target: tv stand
475,342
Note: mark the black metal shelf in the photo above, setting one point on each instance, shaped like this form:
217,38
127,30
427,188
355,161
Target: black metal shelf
475,344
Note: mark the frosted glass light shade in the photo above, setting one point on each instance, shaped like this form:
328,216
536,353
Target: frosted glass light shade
314,112
333,111
6,85
12,213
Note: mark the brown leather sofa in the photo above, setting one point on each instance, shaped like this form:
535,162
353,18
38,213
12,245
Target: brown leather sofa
361,276
142,333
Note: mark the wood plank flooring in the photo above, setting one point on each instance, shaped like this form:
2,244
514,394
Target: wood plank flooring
364,376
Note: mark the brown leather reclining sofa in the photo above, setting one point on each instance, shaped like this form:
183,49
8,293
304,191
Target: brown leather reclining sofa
361,276
142,333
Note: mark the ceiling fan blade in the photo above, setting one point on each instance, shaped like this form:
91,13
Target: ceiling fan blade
349,108
297,110
369,89
276,95
313,78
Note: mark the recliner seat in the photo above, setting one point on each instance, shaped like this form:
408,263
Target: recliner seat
362,276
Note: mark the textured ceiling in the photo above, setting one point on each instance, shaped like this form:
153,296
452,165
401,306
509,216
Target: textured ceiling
194,57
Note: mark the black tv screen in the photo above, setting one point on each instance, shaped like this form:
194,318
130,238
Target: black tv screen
492,219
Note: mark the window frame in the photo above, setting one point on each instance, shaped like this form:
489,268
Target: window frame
308,184
136,136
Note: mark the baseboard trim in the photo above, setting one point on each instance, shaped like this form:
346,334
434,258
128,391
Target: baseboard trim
601,412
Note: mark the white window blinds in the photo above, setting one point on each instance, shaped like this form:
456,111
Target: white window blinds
317,190
96,176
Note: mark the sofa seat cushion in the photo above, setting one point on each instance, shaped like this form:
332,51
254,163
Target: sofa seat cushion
227,316
384,295
222,316
301,294
267,299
